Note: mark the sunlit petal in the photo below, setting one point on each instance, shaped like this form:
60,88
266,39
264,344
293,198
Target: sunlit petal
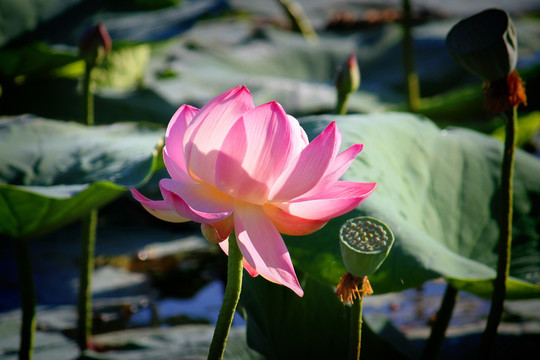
206,133
299,133
309,167
336,169
173,152
263,247
198,202
160,209
289,224
336,200
255,153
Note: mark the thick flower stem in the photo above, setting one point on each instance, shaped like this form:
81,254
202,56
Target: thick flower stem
438,330
230,300
89,228
505,237
28,298
84,304
355,332
413,88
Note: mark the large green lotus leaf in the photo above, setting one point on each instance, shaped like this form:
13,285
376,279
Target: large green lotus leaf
439,193
54,172
35,210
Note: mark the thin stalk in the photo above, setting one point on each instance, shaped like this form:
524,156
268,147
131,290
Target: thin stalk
505,237
355,331
341,105
89,229
436,338
88,95
299,20
28,298
230,300
84,303
413,87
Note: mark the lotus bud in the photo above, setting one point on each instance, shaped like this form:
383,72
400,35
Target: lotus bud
485,44
348,76
365,243
94,44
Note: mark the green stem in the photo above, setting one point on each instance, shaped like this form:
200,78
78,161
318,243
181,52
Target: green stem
88,96
436,338
341,105
505,237
89,229
299,20
355,331
230,300
413,87
84,304
28,298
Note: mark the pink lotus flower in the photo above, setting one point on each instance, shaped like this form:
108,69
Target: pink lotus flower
234,165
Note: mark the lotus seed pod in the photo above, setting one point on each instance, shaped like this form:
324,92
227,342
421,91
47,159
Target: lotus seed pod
365,243
485,44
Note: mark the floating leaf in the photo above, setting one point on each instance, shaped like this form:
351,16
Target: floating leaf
31,211
54,172
438,192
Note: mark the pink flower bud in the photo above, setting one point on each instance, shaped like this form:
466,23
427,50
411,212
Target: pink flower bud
348,76
94,44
